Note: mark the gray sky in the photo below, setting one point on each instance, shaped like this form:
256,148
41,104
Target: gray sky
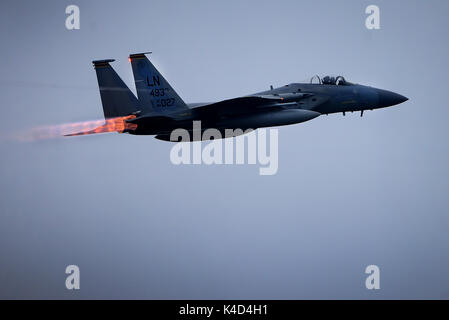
349,192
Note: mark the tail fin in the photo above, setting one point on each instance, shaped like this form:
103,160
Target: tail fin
152,88
117,99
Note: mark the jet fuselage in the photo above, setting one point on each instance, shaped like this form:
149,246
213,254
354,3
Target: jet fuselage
158,110
292,103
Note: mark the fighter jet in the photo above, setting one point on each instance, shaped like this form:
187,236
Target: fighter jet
159,110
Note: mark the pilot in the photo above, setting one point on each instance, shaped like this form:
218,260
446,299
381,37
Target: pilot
328,80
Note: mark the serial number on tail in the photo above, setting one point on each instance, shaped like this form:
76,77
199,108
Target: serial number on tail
164,102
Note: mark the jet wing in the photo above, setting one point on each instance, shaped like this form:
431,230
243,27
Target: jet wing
246,104
213,110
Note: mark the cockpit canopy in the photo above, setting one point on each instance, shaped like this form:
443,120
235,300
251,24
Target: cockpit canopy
330,80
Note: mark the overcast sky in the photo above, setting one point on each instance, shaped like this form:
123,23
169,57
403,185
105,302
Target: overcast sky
349,191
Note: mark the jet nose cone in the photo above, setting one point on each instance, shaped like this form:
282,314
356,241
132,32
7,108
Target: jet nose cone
388,98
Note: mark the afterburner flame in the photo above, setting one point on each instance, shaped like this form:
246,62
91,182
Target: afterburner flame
118,124
112,125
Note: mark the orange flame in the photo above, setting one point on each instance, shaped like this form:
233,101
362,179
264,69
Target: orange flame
113,124
118,124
